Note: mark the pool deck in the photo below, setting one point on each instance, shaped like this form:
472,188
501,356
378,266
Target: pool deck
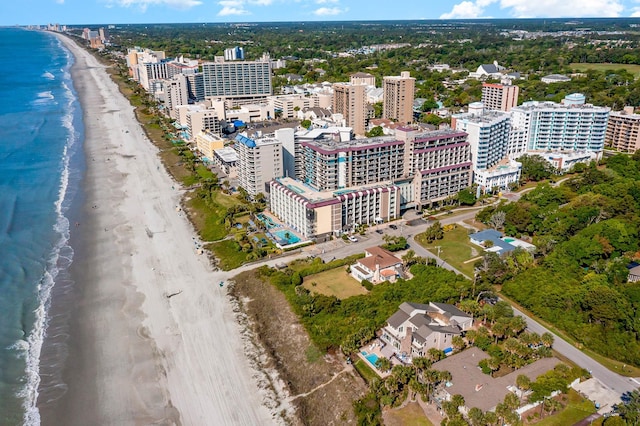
374,347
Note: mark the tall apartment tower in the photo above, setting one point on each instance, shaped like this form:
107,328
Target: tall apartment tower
237,80
350,100
398,92
499,97
259,162
623,130
488,134
570,126
176,92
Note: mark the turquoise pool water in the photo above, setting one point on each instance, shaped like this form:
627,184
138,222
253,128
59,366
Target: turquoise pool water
281,234
372,358
508,240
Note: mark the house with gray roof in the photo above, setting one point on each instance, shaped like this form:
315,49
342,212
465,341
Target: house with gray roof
415,328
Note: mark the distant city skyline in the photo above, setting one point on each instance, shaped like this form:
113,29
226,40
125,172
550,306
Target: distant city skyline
103,12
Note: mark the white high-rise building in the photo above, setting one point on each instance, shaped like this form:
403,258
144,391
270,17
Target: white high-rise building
488,134
259,162
549,126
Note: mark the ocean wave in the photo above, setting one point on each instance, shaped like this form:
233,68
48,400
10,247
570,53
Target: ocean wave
44,98
48,76
58,262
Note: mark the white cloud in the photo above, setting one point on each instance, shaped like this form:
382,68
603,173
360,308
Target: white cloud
227,10
635,12
329,11
562,8
539,8
326,1
467,10
60,1
144,4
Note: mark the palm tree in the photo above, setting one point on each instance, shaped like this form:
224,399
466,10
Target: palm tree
547,339
517,325
458,343
383,364
523,383
409,258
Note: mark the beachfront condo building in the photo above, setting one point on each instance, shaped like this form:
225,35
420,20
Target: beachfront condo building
623,130
207,143
196,119
259,162
438,161
350,100
569,126
175,93
398,97
238,80
330,164
318,215
500,97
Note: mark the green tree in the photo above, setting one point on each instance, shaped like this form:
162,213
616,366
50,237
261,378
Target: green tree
375,131
466,197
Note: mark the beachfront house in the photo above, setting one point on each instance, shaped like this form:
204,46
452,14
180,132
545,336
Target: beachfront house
415,328
378,265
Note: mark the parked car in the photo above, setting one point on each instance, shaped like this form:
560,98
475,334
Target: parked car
392,226
379,231
352,239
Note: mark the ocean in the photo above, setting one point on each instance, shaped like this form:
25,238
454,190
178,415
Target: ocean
41,168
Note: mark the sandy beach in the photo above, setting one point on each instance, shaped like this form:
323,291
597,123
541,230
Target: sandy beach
135,355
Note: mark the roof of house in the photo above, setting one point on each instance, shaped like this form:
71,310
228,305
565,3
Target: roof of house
379,256
493,236
409,307
481,390
398,318
489,68
450,310
361,75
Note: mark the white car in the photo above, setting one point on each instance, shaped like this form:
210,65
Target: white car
352,239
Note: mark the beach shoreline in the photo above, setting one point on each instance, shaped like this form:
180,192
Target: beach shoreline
137,356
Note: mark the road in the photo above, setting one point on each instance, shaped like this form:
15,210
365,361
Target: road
338,248
615,381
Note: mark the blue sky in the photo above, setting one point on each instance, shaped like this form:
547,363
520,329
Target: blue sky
156,11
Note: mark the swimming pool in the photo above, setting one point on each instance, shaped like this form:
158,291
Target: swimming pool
291,238
508,239
372,358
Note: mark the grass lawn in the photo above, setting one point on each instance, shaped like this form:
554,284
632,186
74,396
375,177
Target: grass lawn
576,409
632,68
334,282
207,219
455,249
410,414
230,257
365,371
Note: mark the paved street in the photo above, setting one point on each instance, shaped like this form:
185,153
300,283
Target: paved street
338,249
616,382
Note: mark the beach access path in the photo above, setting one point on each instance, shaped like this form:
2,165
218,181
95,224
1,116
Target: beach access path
143,357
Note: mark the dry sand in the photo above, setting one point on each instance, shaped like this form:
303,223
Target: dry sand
136,356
